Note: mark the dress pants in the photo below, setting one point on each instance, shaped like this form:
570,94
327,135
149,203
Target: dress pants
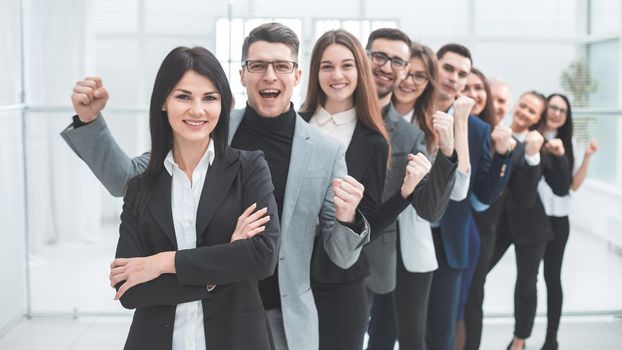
528,258
382,329
277,328
410,302
443,305
485,224
553,257
342,314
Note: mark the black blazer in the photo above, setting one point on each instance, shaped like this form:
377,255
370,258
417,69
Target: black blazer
366,159
523,216
233,314
522,184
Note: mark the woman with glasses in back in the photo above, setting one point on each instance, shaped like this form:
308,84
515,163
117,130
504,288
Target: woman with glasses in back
413,99
557,123
341,101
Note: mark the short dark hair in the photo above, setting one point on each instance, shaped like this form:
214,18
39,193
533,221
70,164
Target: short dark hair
455,48
273,33
179,61
389,34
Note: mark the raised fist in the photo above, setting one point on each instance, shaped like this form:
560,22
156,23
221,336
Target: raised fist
89,98
533,142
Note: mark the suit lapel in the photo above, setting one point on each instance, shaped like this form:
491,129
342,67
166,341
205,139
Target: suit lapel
218,180
160,206
298,162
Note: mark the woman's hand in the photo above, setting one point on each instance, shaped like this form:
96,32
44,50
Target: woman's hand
418,166
555,147
135,271
249,223
89,98
592,147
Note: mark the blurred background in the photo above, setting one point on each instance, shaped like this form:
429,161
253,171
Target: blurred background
59,225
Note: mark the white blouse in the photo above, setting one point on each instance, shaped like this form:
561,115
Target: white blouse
188,330
339,125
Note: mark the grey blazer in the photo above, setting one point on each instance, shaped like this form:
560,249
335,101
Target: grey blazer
431,199
315,160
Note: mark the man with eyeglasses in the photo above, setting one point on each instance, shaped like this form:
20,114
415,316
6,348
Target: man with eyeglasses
488,176
389,53
311,186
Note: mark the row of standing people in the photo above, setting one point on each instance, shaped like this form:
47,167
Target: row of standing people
327,280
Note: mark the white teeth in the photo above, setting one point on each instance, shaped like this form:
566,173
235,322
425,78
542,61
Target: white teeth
195,122
338,86
269,91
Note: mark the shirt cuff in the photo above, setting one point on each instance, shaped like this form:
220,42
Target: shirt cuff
78,123
532,160
358,225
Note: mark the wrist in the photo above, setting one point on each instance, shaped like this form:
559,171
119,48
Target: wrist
447,147
166,262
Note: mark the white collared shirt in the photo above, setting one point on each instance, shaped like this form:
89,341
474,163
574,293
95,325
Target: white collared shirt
339,125
188,330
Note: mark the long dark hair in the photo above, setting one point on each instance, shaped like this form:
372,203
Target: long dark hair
487,114
172,69
564,132
366,103
425,105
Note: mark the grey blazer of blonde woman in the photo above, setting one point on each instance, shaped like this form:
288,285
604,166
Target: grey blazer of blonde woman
308,203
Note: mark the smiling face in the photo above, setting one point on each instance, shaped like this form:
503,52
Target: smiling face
527,112
556,113
338,75
453,73
385,76
269,93
408,91
193,109
475,89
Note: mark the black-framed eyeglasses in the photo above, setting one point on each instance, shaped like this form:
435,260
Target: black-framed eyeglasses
417,78
380,58
280,67
556,109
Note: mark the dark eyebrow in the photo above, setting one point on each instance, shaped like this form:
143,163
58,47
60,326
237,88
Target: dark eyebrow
190,93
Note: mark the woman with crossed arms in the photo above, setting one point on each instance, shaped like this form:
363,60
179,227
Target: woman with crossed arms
189,255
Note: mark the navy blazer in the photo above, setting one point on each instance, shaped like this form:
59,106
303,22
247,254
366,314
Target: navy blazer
489,175
233,314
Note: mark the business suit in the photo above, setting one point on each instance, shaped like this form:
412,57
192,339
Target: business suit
523,183
315,160
529,229
430,200
488,176
340,294
233,315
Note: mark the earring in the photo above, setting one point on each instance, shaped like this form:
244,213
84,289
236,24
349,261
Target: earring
163,109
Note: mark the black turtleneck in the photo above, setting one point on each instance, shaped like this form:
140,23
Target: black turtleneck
273,136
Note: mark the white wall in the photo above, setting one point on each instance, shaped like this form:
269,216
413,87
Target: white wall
12,208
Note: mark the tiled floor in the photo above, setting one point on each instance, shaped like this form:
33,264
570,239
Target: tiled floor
591,276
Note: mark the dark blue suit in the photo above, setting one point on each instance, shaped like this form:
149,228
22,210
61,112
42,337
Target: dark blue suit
488,177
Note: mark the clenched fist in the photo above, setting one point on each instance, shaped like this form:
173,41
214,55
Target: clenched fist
418,166
533,142
443,125
347,195
555,147
501,136
89,97
462,108
592,147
